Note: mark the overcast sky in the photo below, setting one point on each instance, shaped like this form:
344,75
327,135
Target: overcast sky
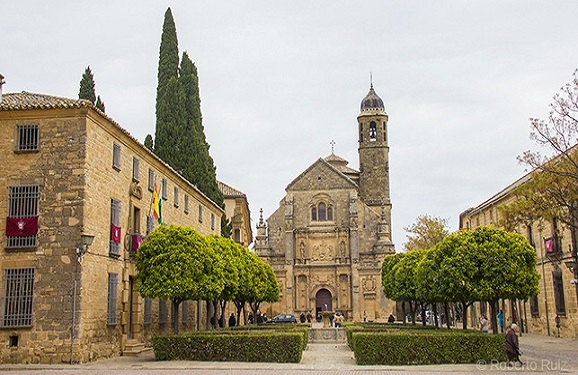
280,80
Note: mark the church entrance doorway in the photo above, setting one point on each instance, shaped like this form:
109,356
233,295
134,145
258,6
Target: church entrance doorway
322,302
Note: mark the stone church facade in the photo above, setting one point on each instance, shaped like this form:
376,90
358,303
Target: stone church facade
328,238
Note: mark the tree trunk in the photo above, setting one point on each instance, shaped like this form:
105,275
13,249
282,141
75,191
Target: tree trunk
435,311
175,316
493,317
447,312
404,314
464,315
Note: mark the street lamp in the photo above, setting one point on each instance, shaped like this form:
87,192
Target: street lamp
81,249
85,242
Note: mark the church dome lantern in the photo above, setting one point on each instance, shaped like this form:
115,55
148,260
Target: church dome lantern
372,102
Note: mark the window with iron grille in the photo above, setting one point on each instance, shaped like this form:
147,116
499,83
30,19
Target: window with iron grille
165,194
17,295
151,183
23,204
559,292
115,207
534,307
185,312
212,221
111,316
200,213
116,156
162,311
135,169
176,193
186,204
27,138
148,310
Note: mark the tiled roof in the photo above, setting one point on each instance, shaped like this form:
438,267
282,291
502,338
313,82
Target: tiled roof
230,192
28,100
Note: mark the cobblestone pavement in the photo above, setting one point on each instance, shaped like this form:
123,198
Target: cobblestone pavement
542,354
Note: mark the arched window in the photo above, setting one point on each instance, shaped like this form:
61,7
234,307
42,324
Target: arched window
372,131
321,210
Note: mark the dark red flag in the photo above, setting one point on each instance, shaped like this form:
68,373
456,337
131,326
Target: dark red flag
136,239
21,226
114,233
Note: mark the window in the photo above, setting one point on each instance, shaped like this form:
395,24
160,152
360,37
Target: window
372,131
17,295
176,193
135,172
116,156
165,186
361,132
151,182
22,220
148,310
322,212
27,138
186,204
212,221
200,213
162,311
237,235
384,132
115,230
534,307
111,316
559,292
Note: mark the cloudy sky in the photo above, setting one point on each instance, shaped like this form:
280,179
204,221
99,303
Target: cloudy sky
280,80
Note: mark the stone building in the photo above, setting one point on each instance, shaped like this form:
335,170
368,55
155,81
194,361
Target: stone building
558,297
69,170
237,211
327,239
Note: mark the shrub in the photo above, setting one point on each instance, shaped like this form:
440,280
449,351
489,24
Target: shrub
241,346
427,347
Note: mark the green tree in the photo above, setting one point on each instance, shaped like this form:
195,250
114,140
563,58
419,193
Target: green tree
175,263
148,142
99,104
200,168
507,269
87,86
425,232
170,113
263,283
229,251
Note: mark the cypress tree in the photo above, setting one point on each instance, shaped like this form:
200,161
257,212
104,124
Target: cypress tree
170,119
87,86
148,142
99,104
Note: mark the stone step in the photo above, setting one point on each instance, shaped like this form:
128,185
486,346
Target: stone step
134,348
327,335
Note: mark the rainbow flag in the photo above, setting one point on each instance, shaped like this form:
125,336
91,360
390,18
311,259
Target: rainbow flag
157,205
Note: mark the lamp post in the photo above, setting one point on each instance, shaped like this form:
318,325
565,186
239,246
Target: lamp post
85,242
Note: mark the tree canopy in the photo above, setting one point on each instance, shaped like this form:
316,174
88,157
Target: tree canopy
425,232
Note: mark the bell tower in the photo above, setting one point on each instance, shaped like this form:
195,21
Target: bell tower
373,152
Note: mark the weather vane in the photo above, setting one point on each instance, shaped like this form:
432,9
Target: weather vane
332,143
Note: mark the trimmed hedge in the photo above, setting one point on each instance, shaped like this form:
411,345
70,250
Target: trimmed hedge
426,347
239,346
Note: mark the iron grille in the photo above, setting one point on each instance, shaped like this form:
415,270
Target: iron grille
27,138
22,203
17,296
111,316
115,206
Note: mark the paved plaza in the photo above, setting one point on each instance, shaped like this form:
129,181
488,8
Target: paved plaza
542,354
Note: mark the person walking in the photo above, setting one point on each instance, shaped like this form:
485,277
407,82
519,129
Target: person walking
302,318
232,320
500,317
484,324
511,346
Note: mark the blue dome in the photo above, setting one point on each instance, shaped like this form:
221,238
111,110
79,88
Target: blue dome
372,102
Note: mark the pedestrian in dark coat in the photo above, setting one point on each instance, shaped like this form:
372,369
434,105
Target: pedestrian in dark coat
232,320
511,346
